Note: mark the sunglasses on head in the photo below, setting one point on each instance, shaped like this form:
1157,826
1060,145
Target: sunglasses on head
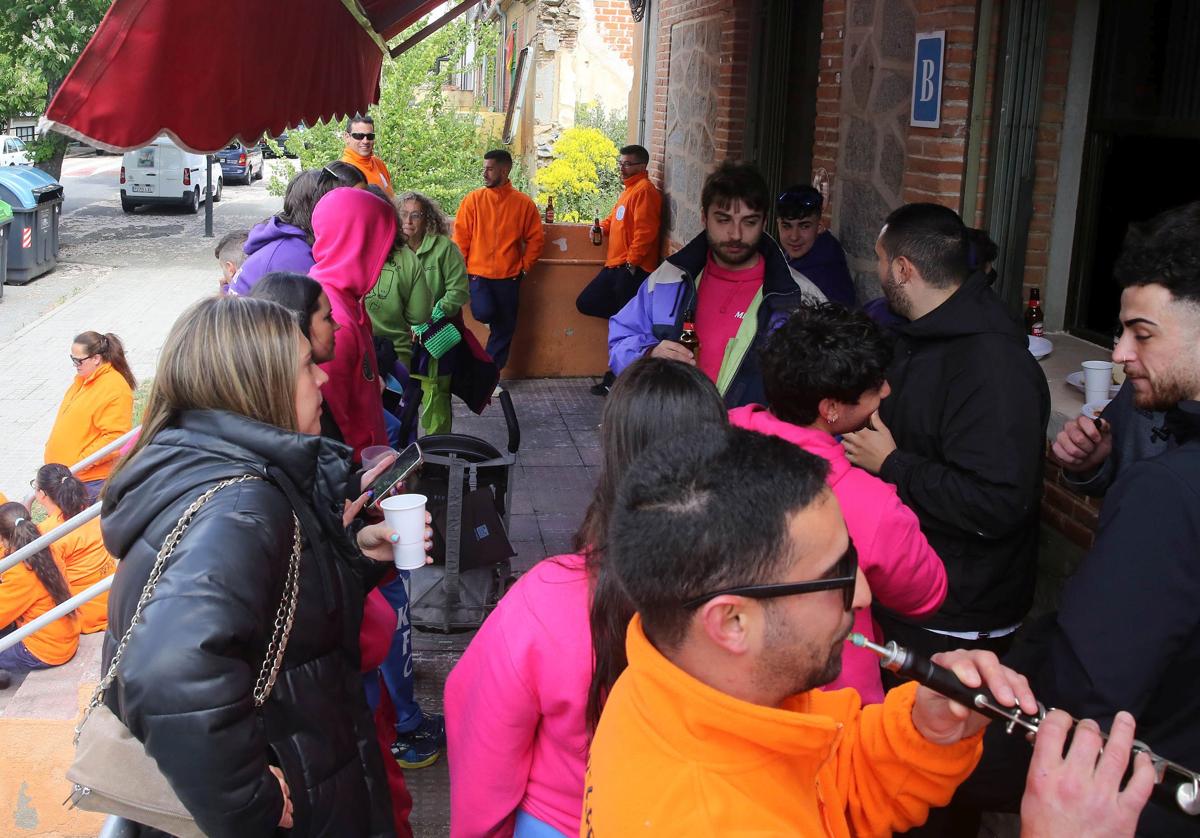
359,135
805,200
843,574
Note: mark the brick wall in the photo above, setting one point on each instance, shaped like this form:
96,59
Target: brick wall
616,26
1071,513
827,133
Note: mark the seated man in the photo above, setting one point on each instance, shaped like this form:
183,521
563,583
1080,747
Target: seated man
734,551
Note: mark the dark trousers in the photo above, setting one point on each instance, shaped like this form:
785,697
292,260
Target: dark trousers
494,303
962,816
608,293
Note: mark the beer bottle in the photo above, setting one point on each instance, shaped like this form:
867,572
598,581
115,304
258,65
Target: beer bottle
597,233
1033,314
550,209
688,337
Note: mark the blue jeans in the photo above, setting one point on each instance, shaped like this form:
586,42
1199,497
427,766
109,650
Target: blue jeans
19,659
397,667
494,303
527,826
93,487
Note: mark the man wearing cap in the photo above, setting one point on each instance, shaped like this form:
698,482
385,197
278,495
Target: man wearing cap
632,229
360,152
812,251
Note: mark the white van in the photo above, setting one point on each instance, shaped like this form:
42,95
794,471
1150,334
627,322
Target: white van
163,173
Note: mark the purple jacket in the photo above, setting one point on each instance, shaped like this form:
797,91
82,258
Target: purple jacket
825,265
272,246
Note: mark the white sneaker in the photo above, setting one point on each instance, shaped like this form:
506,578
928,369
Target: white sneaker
496,393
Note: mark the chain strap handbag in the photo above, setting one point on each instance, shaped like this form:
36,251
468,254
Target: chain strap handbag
112,773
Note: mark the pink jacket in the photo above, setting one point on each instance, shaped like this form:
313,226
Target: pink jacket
516,705
354,233
905,574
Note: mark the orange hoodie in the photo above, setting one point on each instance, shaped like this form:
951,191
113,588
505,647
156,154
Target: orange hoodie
632,226
673,756
373,169
95,411
85,561
23,598
499,232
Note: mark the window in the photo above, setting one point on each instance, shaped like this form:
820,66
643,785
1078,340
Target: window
513,118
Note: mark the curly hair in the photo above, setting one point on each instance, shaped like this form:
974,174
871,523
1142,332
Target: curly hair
1164,251
823,351
435,220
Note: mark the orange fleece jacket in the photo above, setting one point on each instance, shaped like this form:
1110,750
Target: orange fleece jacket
673,756
633,224
95,411
499,232
85,561
23,598
373,169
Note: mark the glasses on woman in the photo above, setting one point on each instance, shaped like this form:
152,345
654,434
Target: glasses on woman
412,216
78,362
359,135
844,575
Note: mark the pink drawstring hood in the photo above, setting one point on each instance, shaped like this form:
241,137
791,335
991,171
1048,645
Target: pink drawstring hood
354,232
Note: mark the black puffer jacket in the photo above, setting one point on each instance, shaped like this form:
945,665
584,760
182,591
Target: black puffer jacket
968,411
186,679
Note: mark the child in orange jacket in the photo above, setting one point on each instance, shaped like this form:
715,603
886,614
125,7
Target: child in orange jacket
81,553
27,591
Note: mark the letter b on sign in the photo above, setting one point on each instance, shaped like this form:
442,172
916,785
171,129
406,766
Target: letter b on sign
928,68
927,80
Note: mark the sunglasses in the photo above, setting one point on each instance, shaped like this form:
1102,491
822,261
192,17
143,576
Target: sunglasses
845,575
78,362
358,135
805,200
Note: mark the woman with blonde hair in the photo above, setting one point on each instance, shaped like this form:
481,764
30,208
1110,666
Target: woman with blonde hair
96,409
237,395
80,552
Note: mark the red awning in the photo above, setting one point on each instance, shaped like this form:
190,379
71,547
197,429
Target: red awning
206,72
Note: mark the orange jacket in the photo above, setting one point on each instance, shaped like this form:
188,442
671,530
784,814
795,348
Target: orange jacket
632,226
23,598
85,562
373,168
499,232
673,756
95,411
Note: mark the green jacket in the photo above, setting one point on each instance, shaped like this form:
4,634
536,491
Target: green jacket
409,285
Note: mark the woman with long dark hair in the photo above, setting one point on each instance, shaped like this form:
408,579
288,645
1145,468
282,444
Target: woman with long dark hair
81,552
522,702
237,393
96,409
27,591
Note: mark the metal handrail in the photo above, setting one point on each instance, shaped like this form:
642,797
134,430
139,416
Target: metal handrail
56,613
42,542
97,455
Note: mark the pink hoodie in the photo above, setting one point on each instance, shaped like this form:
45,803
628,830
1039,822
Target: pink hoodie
905,574
354,233
516,704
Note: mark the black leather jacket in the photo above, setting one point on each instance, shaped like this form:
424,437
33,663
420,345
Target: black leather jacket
185,683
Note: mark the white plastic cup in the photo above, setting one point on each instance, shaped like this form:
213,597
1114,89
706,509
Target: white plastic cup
373,454
1097,379
406,515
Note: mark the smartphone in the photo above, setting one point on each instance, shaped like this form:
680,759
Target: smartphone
403,466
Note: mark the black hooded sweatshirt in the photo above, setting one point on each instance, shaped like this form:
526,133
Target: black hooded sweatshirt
968,410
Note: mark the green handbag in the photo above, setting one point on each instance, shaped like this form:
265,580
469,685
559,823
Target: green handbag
439,335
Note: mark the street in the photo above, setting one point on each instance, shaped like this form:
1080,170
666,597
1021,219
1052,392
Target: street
131,274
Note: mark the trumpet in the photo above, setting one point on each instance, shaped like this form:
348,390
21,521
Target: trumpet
1176,786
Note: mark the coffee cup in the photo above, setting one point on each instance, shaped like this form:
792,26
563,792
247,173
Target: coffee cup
406,515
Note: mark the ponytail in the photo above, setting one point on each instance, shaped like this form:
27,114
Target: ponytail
62,487
17,530
109,347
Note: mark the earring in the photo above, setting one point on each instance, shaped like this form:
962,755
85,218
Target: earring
831,419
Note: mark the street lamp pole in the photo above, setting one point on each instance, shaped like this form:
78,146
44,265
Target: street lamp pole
208,204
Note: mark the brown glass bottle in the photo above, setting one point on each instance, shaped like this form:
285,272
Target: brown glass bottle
688,336
550,210
597,233
1034,319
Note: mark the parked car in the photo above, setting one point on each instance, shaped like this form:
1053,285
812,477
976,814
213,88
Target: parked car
163,173
13,152
281,141
239,162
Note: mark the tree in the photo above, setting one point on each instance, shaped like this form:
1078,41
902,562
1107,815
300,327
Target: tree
39,42
428,145
582,177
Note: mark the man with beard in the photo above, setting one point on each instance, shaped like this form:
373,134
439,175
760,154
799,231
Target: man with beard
736,557
731,283
962,435
1127,634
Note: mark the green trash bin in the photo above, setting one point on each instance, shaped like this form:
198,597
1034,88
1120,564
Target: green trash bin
36,201
5,223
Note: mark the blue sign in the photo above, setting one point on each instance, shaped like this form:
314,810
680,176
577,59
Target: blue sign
927,80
